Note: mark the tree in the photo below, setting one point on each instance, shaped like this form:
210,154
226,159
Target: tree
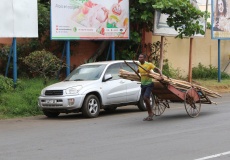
182,15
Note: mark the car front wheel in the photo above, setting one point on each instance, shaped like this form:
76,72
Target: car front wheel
91,106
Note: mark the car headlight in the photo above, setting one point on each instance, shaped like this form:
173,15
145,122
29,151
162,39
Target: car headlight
73,90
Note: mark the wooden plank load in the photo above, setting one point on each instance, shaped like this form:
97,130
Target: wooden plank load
179,84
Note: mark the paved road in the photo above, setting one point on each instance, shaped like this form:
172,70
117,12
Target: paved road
121,135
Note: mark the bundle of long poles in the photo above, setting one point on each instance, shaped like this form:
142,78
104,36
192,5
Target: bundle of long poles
179,84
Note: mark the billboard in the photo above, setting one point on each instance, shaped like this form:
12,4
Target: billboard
220,19
19,18
161,27
89,19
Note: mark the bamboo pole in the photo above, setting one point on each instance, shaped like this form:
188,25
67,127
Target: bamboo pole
180,84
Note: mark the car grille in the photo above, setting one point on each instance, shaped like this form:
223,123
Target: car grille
53,92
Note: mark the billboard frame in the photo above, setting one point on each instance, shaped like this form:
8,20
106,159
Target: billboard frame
76,32
224,35
170,31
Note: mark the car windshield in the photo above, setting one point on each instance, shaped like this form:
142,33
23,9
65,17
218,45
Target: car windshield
85,73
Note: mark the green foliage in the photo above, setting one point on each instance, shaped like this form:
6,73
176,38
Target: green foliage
43,63
22,101
126,54
202,72
182,15
4,51
154,56
169,71
208,25
43,20
6,84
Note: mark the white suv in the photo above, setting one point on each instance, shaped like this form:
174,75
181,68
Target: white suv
91,87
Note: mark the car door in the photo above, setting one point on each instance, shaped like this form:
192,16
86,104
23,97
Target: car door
133,87
114,90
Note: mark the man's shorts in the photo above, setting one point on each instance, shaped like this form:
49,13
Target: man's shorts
146,90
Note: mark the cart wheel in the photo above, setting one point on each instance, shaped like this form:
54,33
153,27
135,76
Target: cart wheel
192,102
159,106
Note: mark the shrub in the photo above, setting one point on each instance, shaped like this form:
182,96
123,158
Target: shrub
6,84
169,71
202,72
43,63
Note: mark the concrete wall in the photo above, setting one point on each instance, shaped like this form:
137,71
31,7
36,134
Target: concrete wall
204,51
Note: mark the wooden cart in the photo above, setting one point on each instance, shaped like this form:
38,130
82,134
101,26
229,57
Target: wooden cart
167,90
164,94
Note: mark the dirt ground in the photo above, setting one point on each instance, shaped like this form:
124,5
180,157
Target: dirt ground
220,89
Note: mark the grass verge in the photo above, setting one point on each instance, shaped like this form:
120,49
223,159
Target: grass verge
221,87
22,101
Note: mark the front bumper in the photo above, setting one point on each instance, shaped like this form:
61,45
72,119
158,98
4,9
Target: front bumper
61,102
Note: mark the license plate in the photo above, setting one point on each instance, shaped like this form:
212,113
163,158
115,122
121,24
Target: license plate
51,101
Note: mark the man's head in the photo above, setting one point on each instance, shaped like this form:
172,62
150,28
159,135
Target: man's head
141,58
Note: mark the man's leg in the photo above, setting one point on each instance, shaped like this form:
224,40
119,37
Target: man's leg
148,106
146,97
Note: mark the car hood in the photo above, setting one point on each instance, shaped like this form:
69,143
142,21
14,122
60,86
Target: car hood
67,84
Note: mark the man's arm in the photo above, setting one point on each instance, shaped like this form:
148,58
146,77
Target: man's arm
138,72
159,71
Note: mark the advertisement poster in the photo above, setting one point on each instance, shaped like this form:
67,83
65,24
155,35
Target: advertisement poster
161,27
19,18
89,19
220,19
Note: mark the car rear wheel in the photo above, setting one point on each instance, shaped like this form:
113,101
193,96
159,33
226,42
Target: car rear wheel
51,114
141,104
91,106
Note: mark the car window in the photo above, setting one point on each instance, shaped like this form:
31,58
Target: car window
86,72
127,68
114,70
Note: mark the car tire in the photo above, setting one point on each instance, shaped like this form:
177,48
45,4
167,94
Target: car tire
141,103
91,106
51,114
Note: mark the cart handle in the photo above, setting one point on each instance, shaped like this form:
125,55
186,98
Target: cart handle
146,70
132,69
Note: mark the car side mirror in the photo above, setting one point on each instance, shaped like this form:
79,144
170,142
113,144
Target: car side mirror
107,77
